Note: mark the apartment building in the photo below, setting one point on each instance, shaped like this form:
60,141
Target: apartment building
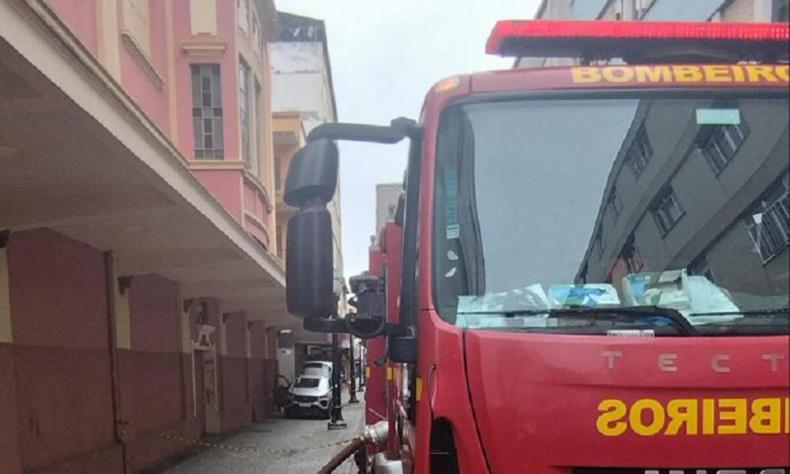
139,290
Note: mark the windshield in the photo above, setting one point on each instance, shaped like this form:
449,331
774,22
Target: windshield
316,366
307,382
670,203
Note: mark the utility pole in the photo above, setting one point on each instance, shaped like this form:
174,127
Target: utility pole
335,412
352,386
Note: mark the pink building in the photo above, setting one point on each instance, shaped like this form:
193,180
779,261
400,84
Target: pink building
200,70
139,296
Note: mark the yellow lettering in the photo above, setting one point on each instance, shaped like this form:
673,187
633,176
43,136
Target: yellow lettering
687,73
653,74
737,74
708,416
683,411
608,423
585,75
657,417
717,73
732,410
618,74
783,72
766,416
756,73
693,416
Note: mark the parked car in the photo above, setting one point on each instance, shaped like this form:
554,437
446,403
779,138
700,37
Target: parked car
309,395
319,368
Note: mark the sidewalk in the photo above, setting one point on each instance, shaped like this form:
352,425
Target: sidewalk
278,446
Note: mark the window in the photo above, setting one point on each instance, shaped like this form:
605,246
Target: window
723,143
256,34
207,111
244,111
667,211
630,255
615,203
600,244
700,266
768,221
781,10
257,131
307,382
640,152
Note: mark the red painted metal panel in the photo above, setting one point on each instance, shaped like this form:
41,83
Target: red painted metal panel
528,403
375,380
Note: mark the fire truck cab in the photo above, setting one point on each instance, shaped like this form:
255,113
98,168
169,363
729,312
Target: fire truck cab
589,269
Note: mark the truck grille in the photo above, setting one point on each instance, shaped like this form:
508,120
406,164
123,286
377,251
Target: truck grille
774,470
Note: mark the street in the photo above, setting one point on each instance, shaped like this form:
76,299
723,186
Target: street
276,446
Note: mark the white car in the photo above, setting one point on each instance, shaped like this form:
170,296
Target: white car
318,368
309,395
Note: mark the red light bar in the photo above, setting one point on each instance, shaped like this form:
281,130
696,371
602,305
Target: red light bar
607,39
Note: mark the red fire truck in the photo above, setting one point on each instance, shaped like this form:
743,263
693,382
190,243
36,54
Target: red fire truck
588,271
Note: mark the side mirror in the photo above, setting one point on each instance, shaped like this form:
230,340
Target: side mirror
369,301
311,183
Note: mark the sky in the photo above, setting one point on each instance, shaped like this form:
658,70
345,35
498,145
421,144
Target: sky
385,55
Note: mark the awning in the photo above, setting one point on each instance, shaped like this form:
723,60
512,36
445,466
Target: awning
78,156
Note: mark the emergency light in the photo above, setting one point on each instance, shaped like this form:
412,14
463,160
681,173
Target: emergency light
638,40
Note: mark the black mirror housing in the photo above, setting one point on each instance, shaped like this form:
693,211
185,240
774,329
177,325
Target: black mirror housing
312,173
309,264
310,185
402,349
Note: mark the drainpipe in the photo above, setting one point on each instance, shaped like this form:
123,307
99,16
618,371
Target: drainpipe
115,388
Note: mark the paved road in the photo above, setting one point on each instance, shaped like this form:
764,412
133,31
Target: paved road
277,434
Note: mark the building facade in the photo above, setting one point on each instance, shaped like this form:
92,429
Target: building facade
387,197
713,200
139,290
656,10
303,98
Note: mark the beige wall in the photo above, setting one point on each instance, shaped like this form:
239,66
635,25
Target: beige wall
203,17
135,22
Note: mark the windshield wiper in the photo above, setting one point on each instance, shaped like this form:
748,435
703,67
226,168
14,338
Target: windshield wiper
751,312
758,322
671,316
